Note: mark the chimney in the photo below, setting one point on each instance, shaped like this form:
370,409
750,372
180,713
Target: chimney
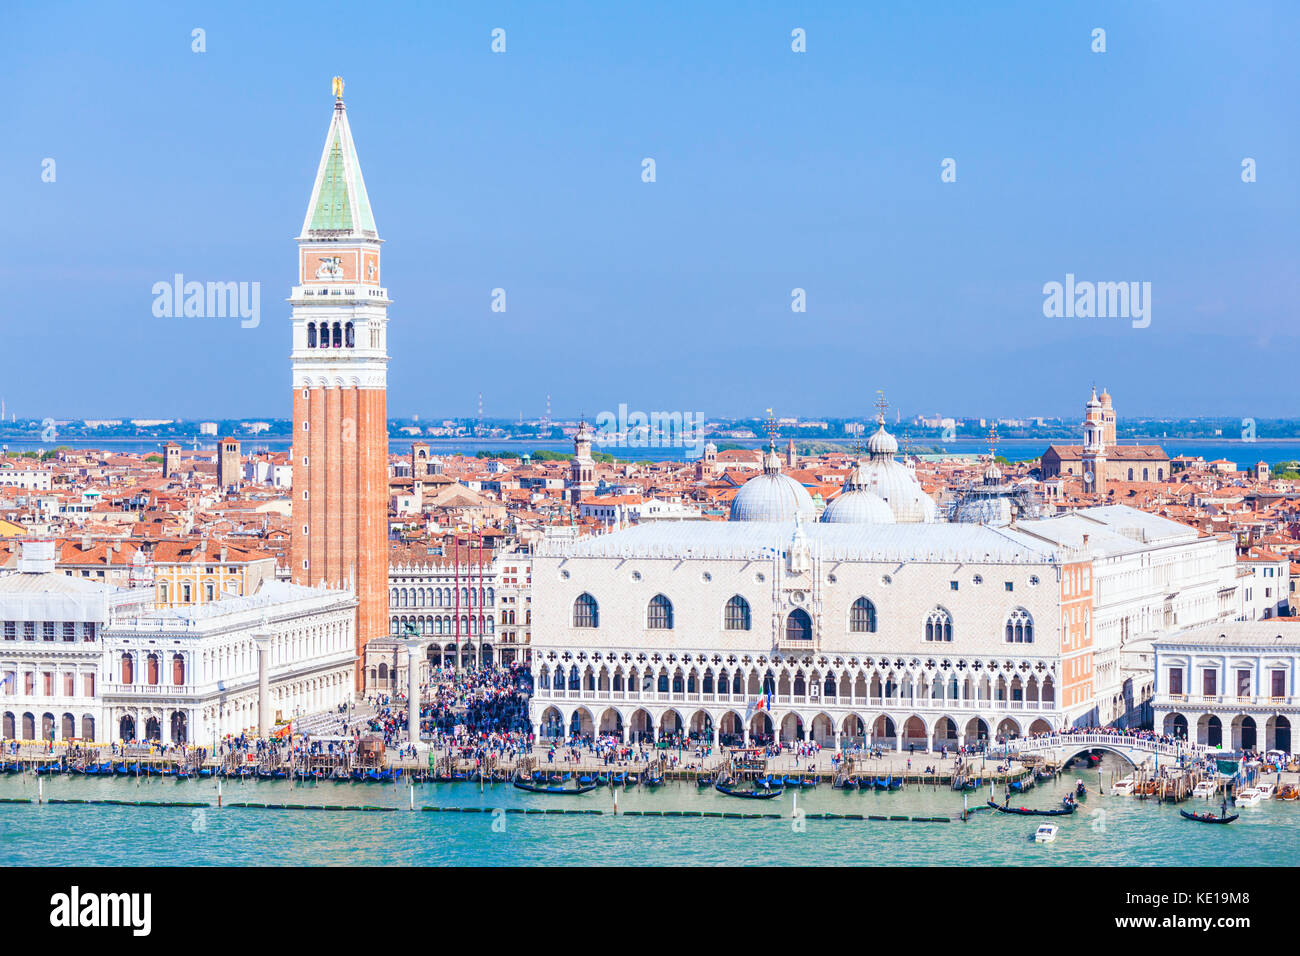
223,554
85,542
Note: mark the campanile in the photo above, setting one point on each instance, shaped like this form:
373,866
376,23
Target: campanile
340,380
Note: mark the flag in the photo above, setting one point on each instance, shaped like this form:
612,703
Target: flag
749,710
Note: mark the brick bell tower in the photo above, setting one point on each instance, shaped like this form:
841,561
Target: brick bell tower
340,380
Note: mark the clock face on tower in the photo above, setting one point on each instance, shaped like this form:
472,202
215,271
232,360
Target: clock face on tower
1087,477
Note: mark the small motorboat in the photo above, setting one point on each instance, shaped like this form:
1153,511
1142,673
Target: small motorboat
755,794
1025,811
1248,797
1205,789
1208,817
1288,791
1046,833
1266,790
1123,787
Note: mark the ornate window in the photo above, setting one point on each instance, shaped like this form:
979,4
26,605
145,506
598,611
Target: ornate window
798,626
1020,627
862,617
311,335
938,625
659,615
737,614
586,612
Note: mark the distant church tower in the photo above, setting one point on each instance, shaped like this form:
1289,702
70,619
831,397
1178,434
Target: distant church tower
419,460
582,471
791,460
1094,447
1107,419
229,473
171,459
340,381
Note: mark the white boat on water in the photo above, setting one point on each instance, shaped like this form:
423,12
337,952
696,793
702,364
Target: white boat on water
1266,790
1123,787
1206,789
1046,833
1248,797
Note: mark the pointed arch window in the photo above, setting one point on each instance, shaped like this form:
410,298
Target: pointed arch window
586,612
737,617
1020,627
862,617
798,626
659,615
938,625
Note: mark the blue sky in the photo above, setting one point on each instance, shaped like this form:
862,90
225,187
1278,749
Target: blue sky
775,170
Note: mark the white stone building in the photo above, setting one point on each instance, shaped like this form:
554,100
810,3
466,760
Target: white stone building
51,647
878,622
191,674
1232,685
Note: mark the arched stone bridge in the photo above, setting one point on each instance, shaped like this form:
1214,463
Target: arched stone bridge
1136,750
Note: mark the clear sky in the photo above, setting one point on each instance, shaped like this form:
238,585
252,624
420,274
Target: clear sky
775,170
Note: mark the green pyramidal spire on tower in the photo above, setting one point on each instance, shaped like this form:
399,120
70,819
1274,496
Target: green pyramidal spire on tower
339,207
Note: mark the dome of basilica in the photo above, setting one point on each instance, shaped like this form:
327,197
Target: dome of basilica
772,496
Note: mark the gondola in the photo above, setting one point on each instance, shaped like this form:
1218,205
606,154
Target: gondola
704,780
1070,802
882,783
554,788
654,781
585,779
1207,817
1043,775
895,783
800,782
1020,786
1025,811
848,783
747,794
618,778
1080,792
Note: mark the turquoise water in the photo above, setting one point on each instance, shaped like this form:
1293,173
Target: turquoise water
1115,831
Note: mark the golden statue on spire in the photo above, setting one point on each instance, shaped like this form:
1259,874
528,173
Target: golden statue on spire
337,86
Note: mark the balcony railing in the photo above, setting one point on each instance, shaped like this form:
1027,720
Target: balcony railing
803,702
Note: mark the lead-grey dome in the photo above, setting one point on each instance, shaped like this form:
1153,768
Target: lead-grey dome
772,496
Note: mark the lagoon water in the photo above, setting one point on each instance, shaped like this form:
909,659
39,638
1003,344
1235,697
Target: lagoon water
1108,831
1244,454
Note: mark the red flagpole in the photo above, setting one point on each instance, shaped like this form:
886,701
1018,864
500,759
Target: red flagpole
456,544
482,598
